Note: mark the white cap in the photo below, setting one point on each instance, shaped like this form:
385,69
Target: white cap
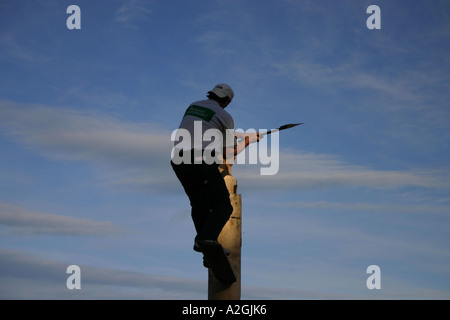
223,90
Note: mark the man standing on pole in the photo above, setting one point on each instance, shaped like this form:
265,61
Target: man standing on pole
202,182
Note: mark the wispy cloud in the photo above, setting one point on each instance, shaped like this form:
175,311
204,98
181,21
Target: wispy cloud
13,49
369,207
133,10
139,153
26,276
76,135
305,170
20,220
133,150
408,86
46,279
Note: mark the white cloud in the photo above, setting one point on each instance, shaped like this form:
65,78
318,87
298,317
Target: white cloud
26,276
138,154
19,220
74,135
132,10
364,207
404,87
123,151
302,170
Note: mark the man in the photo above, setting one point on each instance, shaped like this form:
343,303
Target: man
202,181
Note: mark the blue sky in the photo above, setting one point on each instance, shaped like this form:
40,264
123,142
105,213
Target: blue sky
86,118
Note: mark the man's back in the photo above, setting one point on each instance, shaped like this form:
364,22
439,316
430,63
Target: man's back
211,116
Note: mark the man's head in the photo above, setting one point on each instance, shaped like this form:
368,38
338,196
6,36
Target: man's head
222,93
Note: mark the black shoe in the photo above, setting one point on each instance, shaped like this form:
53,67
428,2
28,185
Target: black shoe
204,241
198,249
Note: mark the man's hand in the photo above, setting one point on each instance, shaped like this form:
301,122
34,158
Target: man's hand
238,148
249,137
252,137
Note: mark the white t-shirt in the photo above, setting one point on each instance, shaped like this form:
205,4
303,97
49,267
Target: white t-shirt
208,114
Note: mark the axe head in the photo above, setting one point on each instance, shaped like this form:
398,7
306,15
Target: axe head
291,125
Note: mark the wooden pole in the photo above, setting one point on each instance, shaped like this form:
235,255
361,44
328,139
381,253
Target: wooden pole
231,239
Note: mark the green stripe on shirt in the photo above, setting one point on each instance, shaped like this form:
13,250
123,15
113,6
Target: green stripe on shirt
200,112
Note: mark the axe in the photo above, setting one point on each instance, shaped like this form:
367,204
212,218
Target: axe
286,126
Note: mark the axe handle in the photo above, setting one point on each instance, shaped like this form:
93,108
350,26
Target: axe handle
269,132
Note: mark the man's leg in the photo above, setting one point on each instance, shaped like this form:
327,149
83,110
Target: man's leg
194,178
220,208
209,198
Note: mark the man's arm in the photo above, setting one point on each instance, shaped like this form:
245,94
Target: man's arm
247,139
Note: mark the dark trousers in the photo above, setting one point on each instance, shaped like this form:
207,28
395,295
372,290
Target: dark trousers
208,195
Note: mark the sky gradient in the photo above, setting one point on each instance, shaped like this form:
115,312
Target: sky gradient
86,118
